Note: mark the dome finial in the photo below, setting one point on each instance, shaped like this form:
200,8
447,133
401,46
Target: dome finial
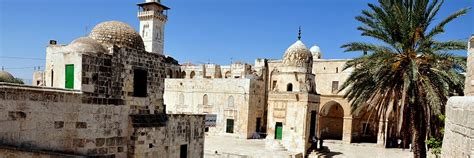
299,33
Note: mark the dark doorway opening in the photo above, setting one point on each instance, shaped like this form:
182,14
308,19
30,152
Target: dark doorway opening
259,122
140,82
183,152
230,126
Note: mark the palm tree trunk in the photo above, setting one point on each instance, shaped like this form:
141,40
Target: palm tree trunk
418,129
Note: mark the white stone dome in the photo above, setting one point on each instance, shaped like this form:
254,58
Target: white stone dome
87,45
117,33
316,52
298,55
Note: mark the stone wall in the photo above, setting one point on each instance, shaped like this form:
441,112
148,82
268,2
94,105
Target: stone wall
12,152
469,90
56,120
242,100
184,129
458,138
459,128
328,70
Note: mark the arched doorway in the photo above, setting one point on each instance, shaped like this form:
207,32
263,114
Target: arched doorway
365,125
331,121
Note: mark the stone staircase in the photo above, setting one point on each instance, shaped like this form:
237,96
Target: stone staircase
319,153
274,145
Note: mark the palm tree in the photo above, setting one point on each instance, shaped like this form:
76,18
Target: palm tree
408,74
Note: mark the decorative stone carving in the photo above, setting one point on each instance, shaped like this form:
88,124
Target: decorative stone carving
298,55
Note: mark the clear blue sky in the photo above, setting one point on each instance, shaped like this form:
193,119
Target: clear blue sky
199,30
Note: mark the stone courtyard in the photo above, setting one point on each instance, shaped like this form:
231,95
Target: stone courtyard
222,146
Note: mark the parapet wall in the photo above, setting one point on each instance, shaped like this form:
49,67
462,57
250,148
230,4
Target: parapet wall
459,128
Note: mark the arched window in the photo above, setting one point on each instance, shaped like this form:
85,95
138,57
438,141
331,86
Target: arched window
183,74
230,101
192,74
337,70
204,99
181,99
169,73
289,87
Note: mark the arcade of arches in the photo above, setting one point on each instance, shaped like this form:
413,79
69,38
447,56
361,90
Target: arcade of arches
337,123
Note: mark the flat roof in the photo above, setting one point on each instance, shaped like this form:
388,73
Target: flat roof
153,3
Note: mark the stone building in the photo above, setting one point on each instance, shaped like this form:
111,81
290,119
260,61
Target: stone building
292,100
237,104
102,96
458,140
303,82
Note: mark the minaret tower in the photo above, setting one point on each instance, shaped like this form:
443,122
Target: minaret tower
153,16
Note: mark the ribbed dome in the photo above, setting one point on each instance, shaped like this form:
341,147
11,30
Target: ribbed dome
117,33
87,45
316,51
297,55
5,76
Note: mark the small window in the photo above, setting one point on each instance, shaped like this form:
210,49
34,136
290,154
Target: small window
337,70
335,86
204,99
274,84
52,78
192,74
140,83
289,87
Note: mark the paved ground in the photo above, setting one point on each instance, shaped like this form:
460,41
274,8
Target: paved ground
234,147
339,150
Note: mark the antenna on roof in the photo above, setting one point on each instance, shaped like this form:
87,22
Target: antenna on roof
3,68
299,33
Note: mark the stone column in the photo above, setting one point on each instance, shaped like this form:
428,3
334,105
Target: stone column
381,134
347,130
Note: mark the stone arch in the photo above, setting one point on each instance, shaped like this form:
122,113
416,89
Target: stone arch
331,121
177,74
227,74
169,73
365,126
183,74
192,74
289,87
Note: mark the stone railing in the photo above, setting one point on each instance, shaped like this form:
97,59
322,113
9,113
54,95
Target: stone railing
151,13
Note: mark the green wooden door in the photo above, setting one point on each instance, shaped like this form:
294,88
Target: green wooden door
230,126
278,130
70,76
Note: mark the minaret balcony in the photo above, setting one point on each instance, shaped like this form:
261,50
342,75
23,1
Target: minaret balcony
151,14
